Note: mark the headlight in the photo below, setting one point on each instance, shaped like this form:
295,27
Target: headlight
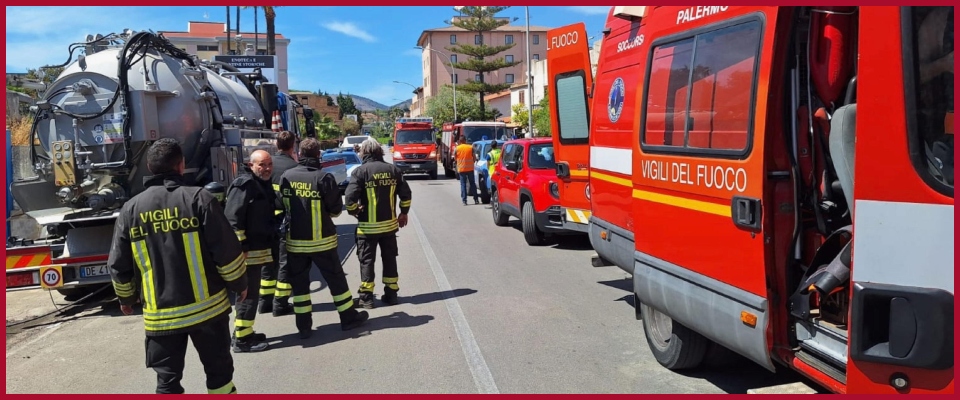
397,154
433,154
555,190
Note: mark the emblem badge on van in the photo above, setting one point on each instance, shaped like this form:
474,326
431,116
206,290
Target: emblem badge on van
615,100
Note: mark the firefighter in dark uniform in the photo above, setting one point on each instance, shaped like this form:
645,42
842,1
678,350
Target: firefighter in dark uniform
311,198
371,197
174,250
250,204
275,285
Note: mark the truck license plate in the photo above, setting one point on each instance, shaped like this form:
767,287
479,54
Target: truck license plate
96,270
414,166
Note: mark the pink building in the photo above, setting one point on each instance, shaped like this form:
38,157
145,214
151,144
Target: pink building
209,39
435,57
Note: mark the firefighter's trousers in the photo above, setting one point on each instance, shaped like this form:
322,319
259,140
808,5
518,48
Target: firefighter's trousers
247,309
367,254
329,265
165,354
275,278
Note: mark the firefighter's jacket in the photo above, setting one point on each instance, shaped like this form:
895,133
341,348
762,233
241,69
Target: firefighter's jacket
281,163
311,199
372,195
250,207
173,244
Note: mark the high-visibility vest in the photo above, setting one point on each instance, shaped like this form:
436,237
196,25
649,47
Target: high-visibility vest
494,159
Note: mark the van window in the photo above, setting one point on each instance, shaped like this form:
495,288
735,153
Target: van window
928,68
572,108
701,88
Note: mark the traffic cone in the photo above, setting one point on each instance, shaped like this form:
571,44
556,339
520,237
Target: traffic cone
275,124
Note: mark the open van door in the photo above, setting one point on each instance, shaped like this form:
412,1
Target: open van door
569,86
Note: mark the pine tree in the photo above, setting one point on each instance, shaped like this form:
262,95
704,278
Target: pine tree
481,20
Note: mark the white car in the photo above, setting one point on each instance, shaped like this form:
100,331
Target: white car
350,141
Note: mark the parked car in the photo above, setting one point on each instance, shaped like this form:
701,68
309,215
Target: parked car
350,141
525,187
480,170
350,158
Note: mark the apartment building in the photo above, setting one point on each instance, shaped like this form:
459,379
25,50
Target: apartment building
209,39
435,56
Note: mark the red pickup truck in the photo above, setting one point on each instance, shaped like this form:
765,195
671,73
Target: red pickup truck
524,186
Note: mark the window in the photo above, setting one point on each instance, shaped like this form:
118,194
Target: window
509,78
928,84
521,97
508,39
477,39
476,77
508,58
571,106
536,56
536,39
456,78
453,58
541,156
509,154
700,91
453,39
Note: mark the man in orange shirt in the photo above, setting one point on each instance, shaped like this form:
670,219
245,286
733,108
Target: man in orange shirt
465,160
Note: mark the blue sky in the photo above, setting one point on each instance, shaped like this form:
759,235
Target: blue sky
360,50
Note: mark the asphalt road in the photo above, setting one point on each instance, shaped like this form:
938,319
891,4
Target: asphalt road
480,312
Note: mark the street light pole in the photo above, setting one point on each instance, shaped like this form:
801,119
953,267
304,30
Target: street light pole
419,105
529,81
453,74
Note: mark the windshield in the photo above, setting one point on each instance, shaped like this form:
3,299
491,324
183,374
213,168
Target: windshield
349,158
541,156
355,139
419,136
475,133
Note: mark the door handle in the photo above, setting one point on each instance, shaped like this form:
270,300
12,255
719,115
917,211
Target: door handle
563,170
746,213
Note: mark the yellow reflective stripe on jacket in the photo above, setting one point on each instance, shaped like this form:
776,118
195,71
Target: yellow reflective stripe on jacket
393,199
142,257
123,289
185,316
259,257
311,246
276,188
352,206
198,277
371,228
371,205
405,203
234,270
241,235
316,215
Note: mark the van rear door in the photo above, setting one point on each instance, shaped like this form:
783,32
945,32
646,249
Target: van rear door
569,86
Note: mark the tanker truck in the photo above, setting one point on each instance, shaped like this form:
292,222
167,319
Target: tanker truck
91,129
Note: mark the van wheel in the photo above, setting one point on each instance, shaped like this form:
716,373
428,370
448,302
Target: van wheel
672,344
531,233
433,175
499,217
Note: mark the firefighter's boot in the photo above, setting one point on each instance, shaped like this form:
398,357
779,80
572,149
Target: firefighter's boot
282,309
389,297
351,318
265,306
366,301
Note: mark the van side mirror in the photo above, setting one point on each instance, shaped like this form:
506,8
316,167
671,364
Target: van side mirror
512,165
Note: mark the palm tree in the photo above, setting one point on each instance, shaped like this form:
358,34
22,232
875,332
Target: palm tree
270,15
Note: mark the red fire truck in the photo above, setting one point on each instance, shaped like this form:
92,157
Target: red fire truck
415,147
790,180
473,131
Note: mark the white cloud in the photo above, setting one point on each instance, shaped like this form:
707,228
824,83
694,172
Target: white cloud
350,29
590,10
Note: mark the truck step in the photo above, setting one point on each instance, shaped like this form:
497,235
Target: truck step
787,388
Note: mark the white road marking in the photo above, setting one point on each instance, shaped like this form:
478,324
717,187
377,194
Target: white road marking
471,350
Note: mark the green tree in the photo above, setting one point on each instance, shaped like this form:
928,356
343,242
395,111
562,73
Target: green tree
481,20
49,75
440,107
541,117
347,107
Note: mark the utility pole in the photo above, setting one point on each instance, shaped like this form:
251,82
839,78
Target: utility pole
529,81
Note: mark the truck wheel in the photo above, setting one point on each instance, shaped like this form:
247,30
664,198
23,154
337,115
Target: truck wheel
531,233
448,171
433,175
499,218
674,346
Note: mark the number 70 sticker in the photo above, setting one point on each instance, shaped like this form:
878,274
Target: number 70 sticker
51,277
